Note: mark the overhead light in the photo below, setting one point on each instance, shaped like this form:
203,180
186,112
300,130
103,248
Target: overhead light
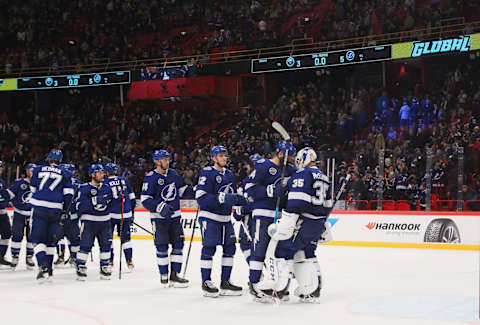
183,33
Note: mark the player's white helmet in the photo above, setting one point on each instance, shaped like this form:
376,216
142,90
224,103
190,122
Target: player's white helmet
305,157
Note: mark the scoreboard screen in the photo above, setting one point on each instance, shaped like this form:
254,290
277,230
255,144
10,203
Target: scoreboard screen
322,59
74,80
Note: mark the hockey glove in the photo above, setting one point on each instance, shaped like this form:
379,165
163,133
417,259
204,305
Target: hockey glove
231,199
165,210
326,235
241,211
284,228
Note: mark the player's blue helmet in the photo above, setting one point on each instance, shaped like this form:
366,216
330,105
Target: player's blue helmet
218,149
159,154
94,168
30,166
69,167
111,168
254,158
55,155
282,146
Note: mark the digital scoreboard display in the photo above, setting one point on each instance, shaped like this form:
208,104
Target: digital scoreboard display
74,80
322,59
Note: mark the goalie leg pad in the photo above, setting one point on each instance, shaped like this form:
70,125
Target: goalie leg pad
306,274
285,270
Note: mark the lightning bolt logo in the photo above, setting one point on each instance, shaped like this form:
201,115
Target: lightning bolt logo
169,192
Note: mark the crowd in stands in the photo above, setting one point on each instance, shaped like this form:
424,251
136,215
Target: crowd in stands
58,33
351,124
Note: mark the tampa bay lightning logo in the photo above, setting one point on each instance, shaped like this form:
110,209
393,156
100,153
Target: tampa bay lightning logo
218,179
160,181
93,191
272,171
23,186
169,192
226,188
26,197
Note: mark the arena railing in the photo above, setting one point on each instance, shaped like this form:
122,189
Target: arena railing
297,46
405,205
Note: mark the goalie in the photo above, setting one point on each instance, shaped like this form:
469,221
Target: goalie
302,226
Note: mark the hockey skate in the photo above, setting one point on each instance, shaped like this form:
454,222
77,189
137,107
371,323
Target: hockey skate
14,262
176,281
42,275
229,289
164,280
70,262
29,262
4,264
312,298
81,273
105,272
130,266
209,289
60,260
259,295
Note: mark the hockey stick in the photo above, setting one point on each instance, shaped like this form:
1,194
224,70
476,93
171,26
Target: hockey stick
270,263
280,129
191,241
144,229
121,239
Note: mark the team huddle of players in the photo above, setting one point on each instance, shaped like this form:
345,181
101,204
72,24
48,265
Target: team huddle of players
51,203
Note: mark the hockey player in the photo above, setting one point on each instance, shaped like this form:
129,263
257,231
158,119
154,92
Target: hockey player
21,217
123,201
52,189
5,229
215,195
301,227
244,214
161,192
93,210
264,187
69,223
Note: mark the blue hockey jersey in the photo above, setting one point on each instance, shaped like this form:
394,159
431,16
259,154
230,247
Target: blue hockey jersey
257,187
211,182
168,188
246,209
401,184
310,194
5,196
51,187
119,185
73,206
88,207
21,189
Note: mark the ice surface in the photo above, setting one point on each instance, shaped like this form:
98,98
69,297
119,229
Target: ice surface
361,286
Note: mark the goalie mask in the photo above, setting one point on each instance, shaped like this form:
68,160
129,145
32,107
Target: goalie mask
305,157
